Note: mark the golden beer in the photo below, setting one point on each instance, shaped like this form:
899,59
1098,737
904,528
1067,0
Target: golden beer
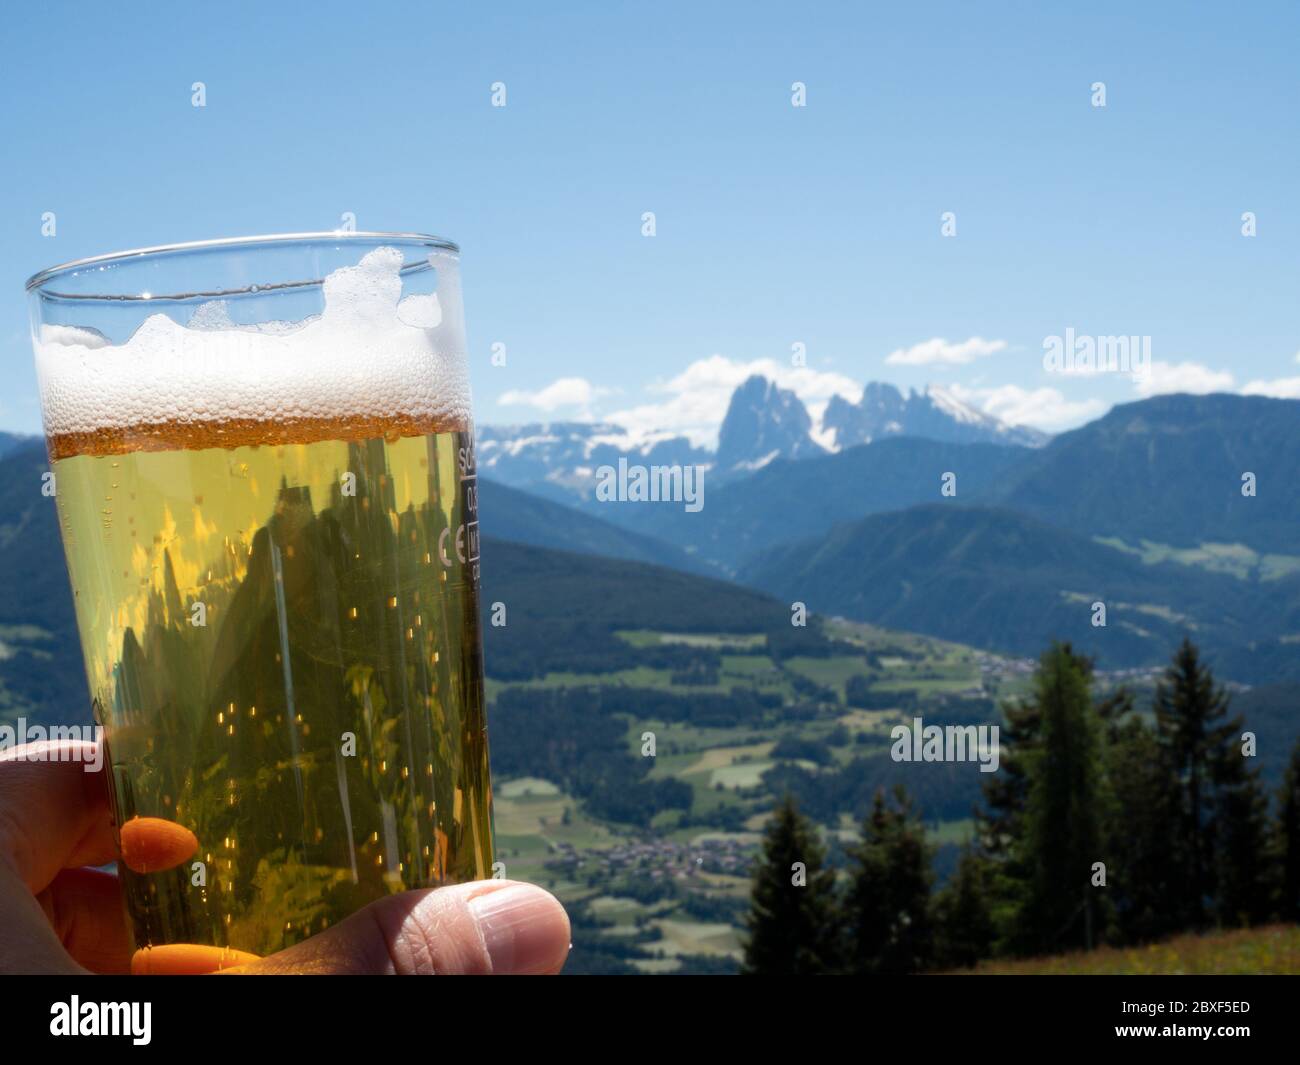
280,626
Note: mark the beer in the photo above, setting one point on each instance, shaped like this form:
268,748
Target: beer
280,626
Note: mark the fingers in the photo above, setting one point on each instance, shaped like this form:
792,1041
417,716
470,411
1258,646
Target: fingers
84,906
187,959
54,814
489,926
152,844
28,943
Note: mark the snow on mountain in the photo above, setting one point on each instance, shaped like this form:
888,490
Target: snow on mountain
560,459
933,413
764,423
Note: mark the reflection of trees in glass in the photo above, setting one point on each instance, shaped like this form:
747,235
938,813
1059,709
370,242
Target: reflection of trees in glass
343,622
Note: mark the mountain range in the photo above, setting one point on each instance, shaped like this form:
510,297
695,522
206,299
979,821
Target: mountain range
1179,512
764,423
9,441
933,413
1164,471
559,460
1000,579
797,501
522,518
1173,469
40,657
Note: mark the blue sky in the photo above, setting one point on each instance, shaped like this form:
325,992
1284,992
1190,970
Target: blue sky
776,225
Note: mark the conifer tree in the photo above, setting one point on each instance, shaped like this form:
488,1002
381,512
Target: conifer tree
887,911
963,915
1143,851
999,822
1194,732
791,922
1005,792
1244,876
1288,839
1064,814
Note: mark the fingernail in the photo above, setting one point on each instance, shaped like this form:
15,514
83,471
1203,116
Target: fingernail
525,930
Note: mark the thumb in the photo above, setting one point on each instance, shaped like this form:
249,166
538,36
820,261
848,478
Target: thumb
488,926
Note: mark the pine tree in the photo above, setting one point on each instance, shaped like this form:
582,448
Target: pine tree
1114,710
791,922
1006,792
1142,849
963,914
887,911
1243,875
1288,839
1194,732
1064,814
998,822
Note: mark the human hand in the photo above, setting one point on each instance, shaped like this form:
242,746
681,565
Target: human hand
57,915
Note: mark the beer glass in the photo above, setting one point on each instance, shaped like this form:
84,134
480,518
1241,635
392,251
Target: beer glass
264,471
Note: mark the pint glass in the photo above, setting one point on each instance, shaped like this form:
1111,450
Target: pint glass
263,464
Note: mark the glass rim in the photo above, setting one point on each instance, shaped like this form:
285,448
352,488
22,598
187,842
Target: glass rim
42,277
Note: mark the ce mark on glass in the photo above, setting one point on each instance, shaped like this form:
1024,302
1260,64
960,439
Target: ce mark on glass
466,541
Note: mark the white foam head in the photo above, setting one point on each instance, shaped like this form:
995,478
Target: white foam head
369,353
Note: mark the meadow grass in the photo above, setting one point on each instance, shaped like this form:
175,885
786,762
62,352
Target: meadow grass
1272,949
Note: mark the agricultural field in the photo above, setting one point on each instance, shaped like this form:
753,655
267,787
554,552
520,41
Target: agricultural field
668,895
1236,560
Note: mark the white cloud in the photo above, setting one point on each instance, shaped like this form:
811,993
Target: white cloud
695,400
572,392
1193,377
1041,408
938,350
1278,388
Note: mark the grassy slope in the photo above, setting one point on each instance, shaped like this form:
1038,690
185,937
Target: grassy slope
1273,949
